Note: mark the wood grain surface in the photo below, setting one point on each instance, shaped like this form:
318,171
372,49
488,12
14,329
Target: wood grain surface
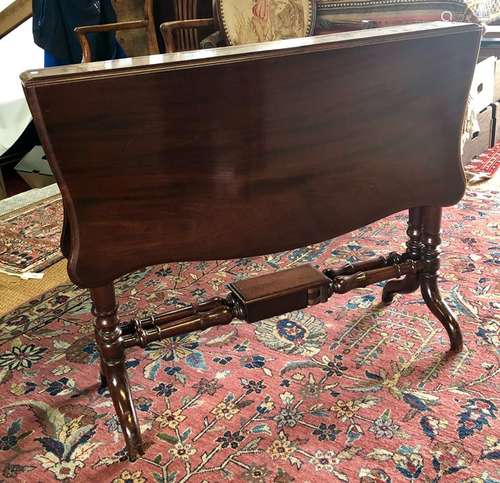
249,150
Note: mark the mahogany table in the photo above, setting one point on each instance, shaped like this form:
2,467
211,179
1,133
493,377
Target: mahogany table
249,150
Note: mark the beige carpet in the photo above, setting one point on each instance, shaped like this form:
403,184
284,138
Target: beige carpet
14,291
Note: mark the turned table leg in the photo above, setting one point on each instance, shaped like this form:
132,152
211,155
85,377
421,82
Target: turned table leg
411,282
428,278
113,366
65,236
102,375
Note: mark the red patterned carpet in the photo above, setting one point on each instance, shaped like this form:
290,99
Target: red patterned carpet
345,391
29,237
487,163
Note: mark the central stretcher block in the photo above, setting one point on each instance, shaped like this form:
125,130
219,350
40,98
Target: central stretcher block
280,292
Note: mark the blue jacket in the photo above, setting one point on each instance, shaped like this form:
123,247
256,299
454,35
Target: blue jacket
54,22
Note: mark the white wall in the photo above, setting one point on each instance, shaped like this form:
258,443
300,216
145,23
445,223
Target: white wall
17,54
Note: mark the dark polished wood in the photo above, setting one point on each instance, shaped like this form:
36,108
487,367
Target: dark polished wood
108,338
413,252
250,150
262,297
183,164
363,279
280,292
428,278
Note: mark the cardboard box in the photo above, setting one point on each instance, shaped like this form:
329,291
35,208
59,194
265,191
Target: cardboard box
481,140
496,123
482,90
34,169
497,80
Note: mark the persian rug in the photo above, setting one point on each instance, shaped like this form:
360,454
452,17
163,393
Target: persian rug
485,166
345,391
29,237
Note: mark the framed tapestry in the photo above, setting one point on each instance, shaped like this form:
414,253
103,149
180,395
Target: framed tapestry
251,21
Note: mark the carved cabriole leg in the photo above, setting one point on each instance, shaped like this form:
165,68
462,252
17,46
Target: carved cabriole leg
113,364
428,277
102,375
65,236
411,282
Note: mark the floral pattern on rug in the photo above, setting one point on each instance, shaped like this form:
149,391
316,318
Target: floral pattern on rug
29,237
345,391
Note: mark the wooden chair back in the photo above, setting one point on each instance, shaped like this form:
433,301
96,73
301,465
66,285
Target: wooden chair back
185,34
254,149
147,23
182,35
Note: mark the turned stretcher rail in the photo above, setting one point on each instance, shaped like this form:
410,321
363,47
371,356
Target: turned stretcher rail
284,291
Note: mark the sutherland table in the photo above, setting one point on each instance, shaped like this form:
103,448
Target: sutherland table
243,151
